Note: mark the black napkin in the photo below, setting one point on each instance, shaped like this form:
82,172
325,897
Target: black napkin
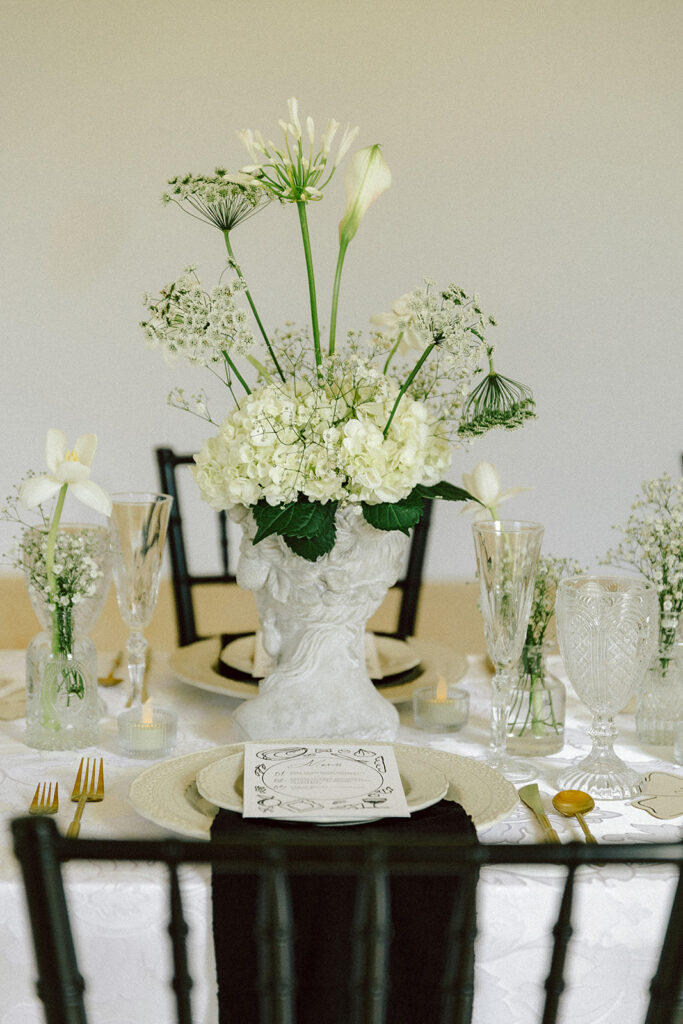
323,909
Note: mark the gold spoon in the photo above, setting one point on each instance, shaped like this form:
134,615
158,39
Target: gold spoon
111,679
574,803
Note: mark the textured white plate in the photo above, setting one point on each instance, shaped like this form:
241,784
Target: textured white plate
195,663
394,655
166,792
222,782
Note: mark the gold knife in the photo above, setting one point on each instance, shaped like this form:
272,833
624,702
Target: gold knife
530,796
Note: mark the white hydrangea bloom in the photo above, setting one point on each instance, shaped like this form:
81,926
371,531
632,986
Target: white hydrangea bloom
295,439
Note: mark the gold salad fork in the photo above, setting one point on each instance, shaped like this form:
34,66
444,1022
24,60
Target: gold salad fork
47,801
85,790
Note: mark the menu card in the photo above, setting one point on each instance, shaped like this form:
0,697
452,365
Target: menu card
322,782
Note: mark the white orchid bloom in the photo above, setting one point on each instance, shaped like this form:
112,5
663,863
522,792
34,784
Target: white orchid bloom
366,178
67,467
483,483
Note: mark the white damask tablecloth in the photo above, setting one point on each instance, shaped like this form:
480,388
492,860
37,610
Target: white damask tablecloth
120,913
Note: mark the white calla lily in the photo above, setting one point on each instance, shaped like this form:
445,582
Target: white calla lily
70,468
483,483
366,178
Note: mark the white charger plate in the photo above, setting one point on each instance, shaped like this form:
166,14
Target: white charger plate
166,793
222,784
394,655
195,666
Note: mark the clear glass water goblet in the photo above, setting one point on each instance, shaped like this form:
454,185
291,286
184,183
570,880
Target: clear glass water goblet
607,629
139,522
507,552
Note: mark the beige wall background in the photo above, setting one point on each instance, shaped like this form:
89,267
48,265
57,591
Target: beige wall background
536,152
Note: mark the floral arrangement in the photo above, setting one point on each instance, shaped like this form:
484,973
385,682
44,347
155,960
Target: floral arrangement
61,568
369,419
652,543
537,713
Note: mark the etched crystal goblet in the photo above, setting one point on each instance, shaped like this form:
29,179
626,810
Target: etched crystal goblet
139,522
607,629
507,553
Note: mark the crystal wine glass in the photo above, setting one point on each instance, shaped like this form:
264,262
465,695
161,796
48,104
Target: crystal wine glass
138,528
607,630
507,552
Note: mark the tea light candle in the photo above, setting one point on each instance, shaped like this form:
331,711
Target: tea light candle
442,708
147,731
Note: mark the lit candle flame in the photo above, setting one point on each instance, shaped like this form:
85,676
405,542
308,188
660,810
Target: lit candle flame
441,689
147,713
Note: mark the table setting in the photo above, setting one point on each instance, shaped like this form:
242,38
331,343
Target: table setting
325,461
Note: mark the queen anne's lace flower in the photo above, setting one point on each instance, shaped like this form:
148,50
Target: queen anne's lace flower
222,199
200,326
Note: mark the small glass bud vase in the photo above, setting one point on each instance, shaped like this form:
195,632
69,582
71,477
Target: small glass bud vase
659,701
537,708
62,704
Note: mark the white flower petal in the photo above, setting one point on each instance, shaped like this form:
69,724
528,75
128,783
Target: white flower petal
38,489
69,472
485,483
92,495
55,448
85,447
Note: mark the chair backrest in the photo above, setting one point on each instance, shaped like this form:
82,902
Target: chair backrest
184,580
375,862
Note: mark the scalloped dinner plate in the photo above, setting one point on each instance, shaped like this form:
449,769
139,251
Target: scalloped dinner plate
166,793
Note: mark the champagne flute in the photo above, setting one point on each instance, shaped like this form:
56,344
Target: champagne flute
138,530
507,552
607,629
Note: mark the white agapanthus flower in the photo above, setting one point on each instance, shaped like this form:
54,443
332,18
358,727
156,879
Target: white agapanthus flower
295,172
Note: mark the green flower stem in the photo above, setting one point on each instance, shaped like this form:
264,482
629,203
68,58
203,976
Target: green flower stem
404,387
236,372
260,367
303,220
49,563
238,271
393,351
343,246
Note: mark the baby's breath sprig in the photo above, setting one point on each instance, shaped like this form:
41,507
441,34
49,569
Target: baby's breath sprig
496,401
549,572
652,543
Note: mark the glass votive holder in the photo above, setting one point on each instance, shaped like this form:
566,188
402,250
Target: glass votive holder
441,708
678,742
147,732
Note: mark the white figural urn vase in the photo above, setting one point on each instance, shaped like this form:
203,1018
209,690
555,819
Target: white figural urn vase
313,617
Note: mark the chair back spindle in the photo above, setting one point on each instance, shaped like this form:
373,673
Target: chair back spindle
375,864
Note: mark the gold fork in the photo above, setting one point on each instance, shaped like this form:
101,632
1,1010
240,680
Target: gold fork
85,790
46,802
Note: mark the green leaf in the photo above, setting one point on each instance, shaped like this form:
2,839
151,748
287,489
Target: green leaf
395,515
449,492
295,519
312,548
